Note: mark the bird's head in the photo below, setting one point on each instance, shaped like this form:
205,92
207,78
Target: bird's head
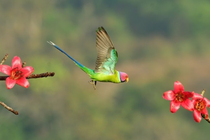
124,77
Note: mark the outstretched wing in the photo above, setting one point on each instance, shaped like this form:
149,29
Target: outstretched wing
106,54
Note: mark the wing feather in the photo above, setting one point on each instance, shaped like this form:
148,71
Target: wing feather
106,53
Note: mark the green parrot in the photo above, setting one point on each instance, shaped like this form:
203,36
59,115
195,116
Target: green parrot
106,60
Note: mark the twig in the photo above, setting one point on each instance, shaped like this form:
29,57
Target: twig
202,93
9,108
207,119
3,60
23,64
41,75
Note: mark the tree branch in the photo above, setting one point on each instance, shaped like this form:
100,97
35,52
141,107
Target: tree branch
207,119
3,60
9,108
41,75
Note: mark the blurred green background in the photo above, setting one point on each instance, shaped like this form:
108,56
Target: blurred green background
158,42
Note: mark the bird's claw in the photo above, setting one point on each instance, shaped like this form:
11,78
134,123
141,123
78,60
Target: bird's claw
93,83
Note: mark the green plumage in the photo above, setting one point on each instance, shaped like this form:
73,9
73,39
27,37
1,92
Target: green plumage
106,59
103,77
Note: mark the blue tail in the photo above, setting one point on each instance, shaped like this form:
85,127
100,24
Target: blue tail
53,44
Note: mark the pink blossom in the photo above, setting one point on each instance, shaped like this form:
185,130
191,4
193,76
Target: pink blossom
17,74
179,97
200,104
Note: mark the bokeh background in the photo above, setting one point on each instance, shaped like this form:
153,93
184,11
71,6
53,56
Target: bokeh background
158,42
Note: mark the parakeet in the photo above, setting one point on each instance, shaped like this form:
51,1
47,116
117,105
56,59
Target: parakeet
106,60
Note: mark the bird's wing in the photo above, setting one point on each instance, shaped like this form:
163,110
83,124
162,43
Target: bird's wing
106,54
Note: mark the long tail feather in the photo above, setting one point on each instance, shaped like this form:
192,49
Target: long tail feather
53,44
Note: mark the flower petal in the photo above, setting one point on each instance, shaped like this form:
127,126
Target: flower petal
10,83
197,116
188,94
27,71
178,87
207,102
193,101
174,106
5,69
205,112
187,104
197,96
16,62
23,82
168,95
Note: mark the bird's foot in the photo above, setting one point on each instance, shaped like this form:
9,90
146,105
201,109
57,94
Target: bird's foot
92,82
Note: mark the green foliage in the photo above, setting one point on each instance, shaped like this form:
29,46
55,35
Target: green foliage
158,42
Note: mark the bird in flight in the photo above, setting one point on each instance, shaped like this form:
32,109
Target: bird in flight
105,63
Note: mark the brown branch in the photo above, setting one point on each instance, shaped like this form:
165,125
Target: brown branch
207,119
41,75
23,64
3,60
9,108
